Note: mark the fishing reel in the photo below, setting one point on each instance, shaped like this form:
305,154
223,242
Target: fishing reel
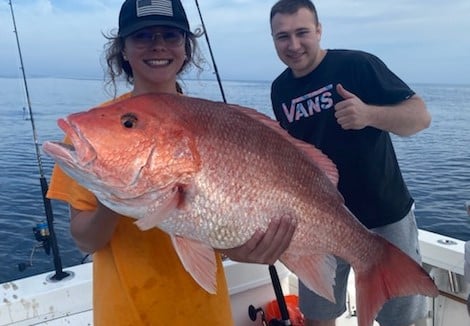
42,235
253,314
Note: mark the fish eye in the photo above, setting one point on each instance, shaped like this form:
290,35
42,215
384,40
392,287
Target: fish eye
129,120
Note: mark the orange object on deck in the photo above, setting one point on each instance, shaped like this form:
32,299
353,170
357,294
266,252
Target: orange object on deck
292,303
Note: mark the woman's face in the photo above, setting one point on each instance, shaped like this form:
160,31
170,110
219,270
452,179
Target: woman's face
156,55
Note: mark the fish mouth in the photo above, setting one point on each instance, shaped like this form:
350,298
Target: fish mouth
78,153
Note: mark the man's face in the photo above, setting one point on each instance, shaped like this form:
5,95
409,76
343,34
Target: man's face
297,40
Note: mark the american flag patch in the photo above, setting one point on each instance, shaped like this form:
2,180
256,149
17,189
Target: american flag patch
154,7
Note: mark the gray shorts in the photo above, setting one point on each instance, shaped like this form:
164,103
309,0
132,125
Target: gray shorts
396,312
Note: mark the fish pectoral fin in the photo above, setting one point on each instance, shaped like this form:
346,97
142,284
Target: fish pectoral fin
317,272
161,209
199,260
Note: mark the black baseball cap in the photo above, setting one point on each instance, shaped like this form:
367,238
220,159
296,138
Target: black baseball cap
138,14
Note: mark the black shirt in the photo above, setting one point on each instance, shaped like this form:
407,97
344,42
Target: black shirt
369,176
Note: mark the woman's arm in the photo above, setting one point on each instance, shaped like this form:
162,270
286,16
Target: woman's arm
92,230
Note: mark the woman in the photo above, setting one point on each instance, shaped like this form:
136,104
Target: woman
137,276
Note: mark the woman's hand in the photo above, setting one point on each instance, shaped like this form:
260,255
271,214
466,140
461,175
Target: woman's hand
267,247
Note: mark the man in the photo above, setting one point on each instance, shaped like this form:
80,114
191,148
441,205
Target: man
346,103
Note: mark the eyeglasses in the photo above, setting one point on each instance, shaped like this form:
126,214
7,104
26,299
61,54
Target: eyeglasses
171,39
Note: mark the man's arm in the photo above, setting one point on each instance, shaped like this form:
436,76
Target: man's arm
403,119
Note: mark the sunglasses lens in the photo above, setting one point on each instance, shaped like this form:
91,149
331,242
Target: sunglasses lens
145,38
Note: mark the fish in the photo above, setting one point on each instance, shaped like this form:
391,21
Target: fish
210,174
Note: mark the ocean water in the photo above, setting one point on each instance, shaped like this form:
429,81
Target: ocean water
435,162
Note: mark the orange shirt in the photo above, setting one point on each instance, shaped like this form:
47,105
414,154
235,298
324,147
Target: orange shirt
138,278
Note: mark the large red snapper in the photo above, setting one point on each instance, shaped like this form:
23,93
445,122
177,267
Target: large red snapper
210,174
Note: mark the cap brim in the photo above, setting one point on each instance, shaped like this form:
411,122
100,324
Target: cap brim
149,23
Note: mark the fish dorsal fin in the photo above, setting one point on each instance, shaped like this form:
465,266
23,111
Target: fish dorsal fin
316,155
199,261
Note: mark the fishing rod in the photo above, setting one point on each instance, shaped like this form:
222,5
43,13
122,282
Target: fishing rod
44,233
281,301
252,312
211,54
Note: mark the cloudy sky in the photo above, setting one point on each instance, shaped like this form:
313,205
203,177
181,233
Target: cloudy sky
422,40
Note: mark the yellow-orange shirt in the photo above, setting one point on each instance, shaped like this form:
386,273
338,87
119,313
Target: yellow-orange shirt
138,278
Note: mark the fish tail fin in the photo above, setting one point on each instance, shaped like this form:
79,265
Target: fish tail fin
394,274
